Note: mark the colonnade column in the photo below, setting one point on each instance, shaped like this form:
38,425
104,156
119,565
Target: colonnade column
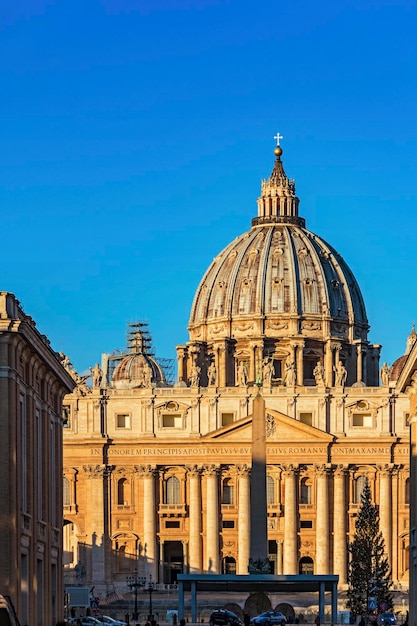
290,520
322,521
195,545
340,524
385,506
244,522
212,556
149,521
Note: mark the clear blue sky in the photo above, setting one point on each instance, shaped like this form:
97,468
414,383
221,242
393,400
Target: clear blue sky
135,134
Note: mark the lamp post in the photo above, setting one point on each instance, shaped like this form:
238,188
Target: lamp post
150,591
134,583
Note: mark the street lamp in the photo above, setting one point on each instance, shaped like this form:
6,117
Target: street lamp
134,583
150,591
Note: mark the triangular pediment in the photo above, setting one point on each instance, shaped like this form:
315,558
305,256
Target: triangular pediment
280,428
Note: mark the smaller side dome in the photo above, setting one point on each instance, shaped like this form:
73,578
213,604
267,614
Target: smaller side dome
139,368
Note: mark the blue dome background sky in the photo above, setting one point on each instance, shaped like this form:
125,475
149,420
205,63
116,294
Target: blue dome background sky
135,134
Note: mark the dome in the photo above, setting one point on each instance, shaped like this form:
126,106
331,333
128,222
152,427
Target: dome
278,299
139,368
278,277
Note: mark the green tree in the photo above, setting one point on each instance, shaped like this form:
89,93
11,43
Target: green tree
369,573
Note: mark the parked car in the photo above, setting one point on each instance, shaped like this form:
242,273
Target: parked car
269,618
222,617
109,621
384,619
86,620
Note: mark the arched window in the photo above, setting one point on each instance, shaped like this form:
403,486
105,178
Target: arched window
173,490
407,491
306,565
228,491
305,491
270,490
359,485
229,565
66,492
122,495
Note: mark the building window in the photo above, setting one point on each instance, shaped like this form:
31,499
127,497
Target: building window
173,490
227,419
171,420
306,418
66,492
270,490
306,523
122,421
228,491
172,525
228,523
305,491
228,565
359,486
362,420
66,414
122,492
407,491
306,565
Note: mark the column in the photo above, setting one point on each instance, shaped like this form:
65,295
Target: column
149,521
221,375
359,363
328,364
195,545
339,524
212,557
290,564
96,508
385,506
181,353
243,473
300,364
322,521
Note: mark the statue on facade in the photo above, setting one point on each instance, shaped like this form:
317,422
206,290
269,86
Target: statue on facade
290,374
385,374
319,374
97,375
211,374
267,371
195,375
242,374
340,374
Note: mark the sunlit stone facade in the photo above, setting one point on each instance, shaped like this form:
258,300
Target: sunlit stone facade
32,386
158,477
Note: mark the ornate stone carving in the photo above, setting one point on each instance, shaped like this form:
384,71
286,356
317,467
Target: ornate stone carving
270,425
259,566
97,471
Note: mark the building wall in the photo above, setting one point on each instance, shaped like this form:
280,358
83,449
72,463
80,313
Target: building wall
122,447
32,386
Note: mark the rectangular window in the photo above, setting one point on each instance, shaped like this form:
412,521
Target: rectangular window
171,420
66,414
122,420
306,523
362,420
172,525
306,418
228,523
227,418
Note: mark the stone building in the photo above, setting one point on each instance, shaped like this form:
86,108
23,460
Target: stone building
33,384
157,477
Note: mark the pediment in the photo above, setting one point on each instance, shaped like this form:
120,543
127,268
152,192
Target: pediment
280,428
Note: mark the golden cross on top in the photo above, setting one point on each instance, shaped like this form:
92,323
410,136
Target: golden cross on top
278,137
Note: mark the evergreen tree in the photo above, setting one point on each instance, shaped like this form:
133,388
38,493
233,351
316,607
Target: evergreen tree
369,573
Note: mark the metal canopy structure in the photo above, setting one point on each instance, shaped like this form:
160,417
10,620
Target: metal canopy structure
252,583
